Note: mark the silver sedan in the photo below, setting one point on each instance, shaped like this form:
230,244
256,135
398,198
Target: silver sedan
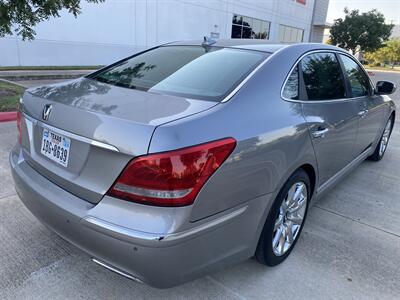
191,156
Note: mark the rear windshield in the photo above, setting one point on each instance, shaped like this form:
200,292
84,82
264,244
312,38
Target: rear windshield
208,73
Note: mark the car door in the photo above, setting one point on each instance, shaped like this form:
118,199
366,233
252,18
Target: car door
370,106
332,118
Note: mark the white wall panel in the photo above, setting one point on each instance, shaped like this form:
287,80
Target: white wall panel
111,30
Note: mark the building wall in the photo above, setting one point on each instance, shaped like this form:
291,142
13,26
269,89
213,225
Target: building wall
317,34
108,31
395,32
319,20
320,11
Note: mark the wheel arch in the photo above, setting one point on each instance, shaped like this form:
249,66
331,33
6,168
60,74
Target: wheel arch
312,175
311,172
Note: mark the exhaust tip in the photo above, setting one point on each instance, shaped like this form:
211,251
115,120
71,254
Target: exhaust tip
115,270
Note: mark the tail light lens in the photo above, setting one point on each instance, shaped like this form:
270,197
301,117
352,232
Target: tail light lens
171,178
19,124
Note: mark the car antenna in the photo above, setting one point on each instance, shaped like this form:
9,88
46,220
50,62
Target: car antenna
207,42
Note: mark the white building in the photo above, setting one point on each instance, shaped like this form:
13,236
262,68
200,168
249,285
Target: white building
114,29
395,32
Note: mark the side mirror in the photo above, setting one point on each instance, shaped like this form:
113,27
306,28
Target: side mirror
385,87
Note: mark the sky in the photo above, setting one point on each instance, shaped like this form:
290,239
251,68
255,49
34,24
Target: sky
389,8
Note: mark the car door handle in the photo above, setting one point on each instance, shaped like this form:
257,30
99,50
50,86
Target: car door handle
320,133
363,113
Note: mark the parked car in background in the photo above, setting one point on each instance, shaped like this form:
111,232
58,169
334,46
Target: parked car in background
191,156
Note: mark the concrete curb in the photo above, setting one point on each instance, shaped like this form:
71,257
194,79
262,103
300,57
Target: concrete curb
8,116
382,71
12,82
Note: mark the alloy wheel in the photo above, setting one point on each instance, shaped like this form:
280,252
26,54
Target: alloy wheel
290,218
385,138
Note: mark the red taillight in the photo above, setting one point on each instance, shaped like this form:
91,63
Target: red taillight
19,124
171,178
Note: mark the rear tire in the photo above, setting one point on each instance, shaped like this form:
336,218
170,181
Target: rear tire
285,220
383,142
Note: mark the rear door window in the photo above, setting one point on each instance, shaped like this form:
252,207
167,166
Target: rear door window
208,73
322,77
359,82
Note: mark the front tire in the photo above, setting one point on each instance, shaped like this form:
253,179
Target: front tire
383,142
285,220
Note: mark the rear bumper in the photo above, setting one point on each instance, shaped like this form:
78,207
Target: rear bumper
160,260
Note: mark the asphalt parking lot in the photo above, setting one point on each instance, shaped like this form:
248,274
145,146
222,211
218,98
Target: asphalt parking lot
349,249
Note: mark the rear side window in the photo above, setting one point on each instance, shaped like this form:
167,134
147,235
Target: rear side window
322,77
291,89
208,73
358,80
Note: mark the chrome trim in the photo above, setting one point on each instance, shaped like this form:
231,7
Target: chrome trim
244,81
320,101
363,113
320,133
103,145
115,270
130,235
47,111
71,135
159,194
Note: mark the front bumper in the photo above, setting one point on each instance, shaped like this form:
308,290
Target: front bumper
160,260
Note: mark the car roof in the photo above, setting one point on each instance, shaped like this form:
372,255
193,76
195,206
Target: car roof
251,44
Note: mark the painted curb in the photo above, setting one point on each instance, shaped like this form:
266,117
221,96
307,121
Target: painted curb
8,116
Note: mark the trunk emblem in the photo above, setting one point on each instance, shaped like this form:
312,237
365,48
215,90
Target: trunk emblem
47,111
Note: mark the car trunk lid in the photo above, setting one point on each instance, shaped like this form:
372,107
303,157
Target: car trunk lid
105,125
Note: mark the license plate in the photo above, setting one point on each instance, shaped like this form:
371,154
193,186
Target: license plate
55,147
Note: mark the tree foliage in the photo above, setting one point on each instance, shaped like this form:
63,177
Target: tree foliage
390,52
360,32
21,16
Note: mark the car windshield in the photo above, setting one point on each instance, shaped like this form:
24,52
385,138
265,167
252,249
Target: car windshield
208,73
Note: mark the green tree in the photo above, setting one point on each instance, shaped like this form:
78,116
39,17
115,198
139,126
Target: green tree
21,16
376,57
360,32
393,51
390,52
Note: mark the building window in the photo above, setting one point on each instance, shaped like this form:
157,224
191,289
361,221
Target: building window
288,34
249,28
